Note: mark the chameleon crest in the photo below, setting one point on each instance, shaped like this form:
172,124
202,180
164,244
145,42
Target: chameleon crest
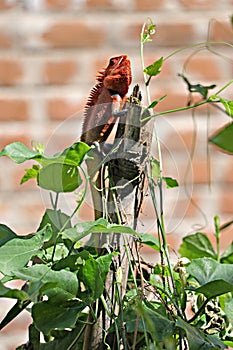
112,85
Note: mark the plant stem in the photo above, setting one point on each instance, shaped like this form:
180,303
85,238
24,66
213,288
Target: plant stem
142,60
217,235
175,110
79,202
204,44
224,87
160,214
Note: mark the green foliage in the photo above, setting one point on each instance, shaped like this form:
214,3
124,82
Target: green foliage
16,252
197,340
224,138
58,173
6,234
213,277
199,88
197,246
59,178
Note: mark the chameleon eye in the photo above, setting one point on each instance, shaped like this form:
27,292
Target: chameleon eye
111,62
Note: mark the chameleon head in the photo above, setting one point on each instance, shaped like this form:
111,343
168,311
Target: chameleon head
117,76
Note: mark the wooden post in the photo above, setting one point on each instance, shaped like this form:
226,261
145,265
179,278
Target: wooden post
126,183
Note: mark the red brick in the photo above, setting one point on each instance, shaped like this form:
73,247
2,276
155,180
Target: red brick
172,101
6,139
200,171
74,34
221,32
229,172
60,109
186,140
5,40
4,4
37,209
147,5
99,4
227,201
204,68
178,34
13,109
198,4
86,212
10,72
57,4
59,72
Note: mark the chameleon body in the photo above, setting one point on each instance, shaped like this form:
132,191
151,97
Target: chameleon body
103,106
112,86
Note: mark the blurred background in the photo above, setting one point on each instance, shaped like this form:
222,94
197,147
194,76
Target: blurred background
50,52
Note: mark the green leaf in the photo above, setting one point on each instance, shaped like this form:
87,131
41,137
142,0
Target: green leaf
19,153
197,245
228,104
57,285
150,30
56,219
201,89
197,340
227,256
16,309
155,68
6,234
48,315
149,240
66,341
31,173
17,252
224,138
229,309
12,293
59,178
156,322
72,155
72,262
82,230
104,264
93,274
146,318
214,278
155,168
170,182
215,288
155,102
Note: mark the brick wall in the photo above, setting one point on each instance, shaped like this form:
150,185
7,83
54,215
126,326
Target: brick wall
50,51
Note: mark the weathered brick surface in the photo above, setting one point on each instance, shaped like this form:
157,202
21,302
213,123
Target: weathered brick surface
13,109
5,40
60,108
10,72
50,51
72,34
147,5
59,72
197,4
57,4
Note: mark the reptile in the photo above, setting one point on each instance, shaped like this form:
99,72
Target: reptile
101,111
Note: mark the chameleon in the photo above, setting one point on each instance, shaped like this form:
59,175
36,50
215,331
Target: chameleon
101,111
